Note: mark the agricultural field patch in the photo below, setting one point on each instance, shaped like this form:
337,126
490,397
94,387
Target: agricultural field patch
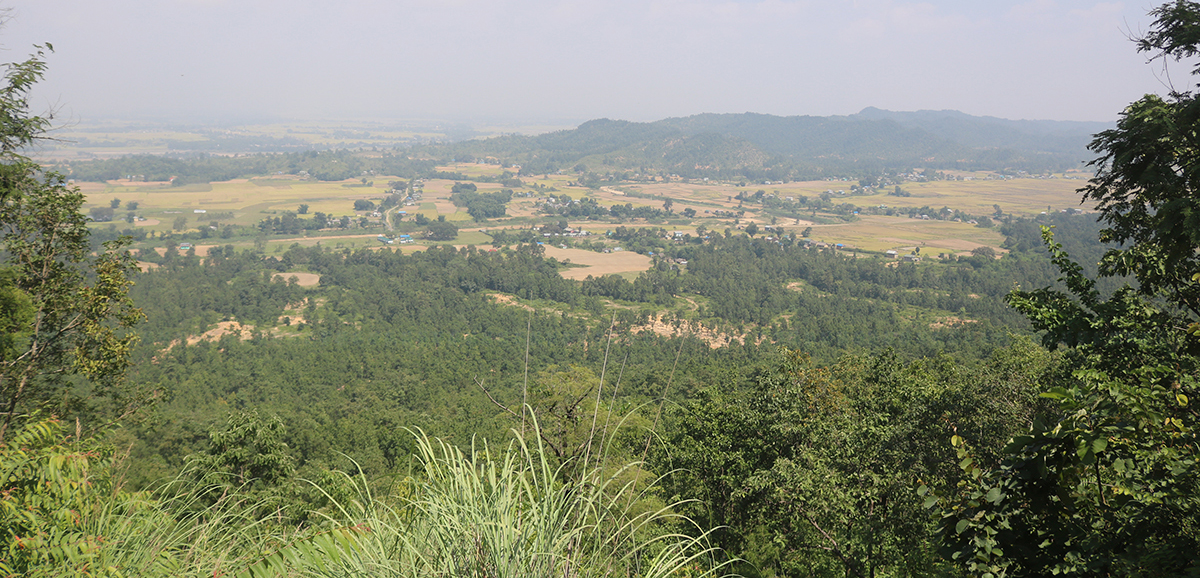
474,169
597,264
1022,197
472,237
881,233
713,205
302,279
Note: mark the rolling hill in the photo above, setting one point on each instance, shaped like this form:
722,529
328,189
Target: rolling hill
793,147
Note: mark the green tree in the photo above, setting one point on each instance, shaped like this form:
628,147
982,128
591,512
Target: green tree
115,203
823,486
441,230
70,313
303,209
1108,484
247,451
752,229
101,213
984,251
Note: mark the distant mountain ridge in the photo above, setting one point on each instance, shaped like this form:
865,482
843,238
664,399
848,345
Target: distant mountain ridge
777,147
992,132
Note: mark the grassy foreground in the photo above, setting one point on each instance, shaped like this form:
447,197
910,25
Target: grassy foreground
485,512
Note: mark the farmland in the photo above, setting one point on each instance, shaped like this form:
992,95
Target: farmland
165,211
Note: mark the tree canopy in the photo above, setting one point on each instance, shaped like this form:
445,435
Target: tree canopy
1109,483
66,309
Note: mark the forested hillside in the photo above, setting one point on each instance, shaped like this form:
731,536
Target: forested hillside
757,406
1041,136
758,146
389,339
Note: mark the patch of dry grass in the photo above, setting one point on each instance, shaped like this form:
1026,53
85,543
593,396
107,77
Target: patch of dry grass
597,264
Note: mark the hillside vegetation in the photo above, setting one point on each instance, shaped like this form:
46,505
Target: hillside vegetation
756,402
758,146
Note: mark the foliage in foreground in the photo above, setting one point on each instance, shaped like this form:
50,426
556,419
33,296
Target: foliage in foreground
824,486
64,312
496,513
63,513
476,513
1109,484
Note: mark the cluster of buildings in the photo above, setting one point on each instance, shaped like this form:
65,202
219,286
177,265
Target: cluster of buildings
568,232
401,239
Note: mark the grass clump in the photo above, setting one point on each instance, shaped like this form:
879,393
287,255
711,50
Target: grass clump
489,513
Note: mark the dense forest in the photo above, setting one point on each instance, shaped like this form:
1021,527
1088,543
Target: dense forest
744,406
413,331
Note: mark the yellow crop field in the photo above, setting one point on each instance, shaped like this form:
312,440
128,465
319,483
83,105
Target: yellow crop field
242,202
249,200
474,169
716,207
880,233
1027,196
598,264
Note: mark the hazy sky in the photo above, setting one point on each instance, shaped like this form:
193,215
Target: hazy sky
556,60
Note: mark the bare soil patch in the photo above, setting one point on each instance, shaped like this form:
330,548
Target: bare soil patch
303,279
947,322
146,223
714,339
294,312
509,300
597,264
223,328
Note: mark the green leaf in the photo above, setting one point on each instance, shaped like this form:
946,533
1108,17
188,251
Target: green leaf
1099,444
1056,393
994,495
962,526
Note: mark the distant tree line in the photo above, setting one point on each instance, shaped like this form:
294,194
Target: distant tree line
334,165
